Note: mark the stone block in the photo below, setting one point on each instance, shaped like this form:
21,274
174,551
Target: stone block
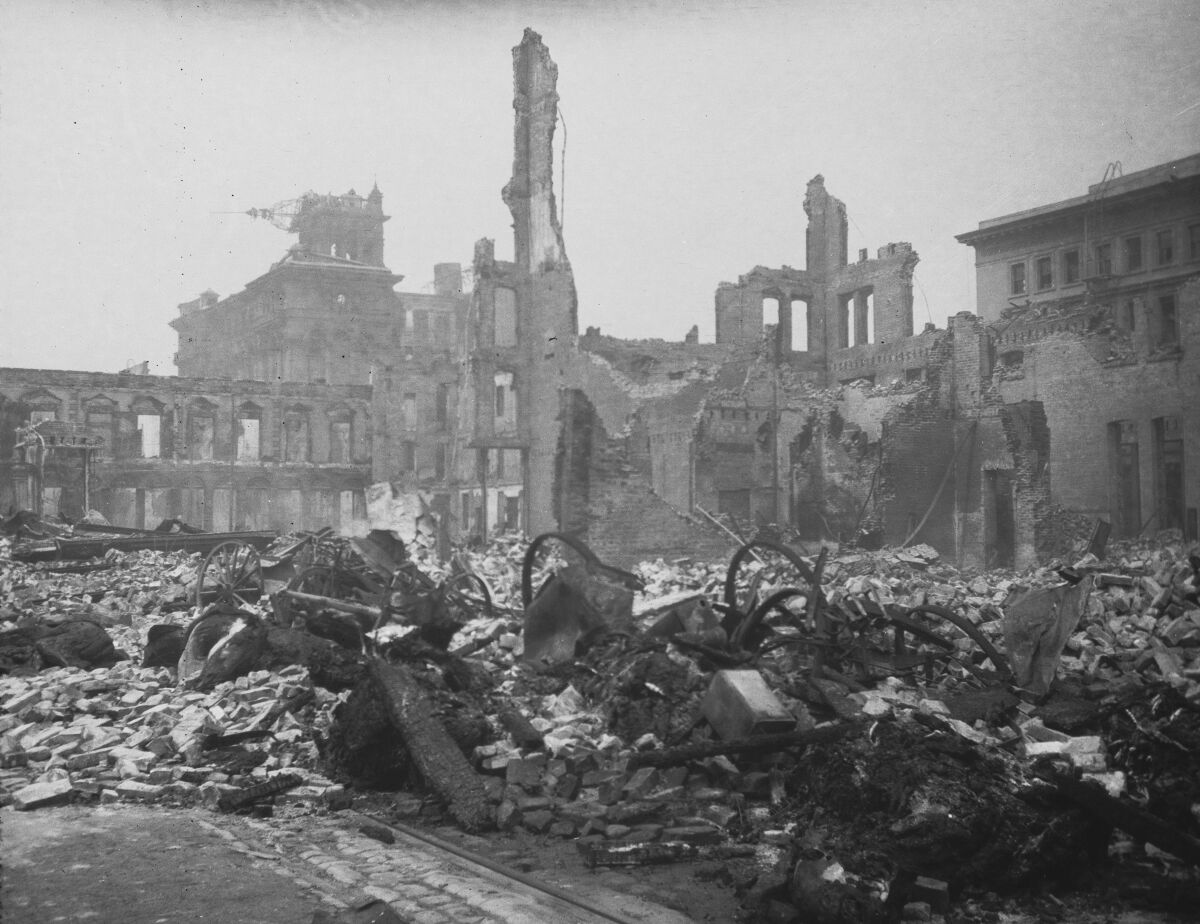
740,704
37,795
526,773
567,786
1045,748
139,792
22,701
507,816
640,783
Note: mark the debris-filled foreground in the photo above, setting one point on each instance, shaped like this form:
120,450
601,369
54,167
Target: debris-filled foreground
856,736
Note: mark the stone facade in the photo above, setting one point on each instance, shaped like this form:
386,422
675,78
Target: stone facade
222,454
1093,308
313,382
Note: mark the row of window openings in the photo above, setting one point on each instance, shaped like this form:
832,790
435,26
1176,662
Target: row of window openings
148,436
296,446
507,512
1133,260
502,464
854,328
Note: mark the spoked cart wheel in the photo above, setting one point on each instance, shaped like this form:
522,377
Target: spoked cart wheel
468,595
231,577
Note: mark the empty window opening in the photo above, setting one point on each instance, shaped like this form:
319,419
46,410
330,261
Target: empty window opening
1127,318
1071,266
201,436
506,402
770,312
339,441
295,438
846,320
439,461
1164,246
512,511
1013,359
442,404
410,410
912,376
248,437
1168,475
408,456
1194,242
1045,273
1016,279
1168,322
505,307
800,325
999,520
1126,477
1133,254
1104,259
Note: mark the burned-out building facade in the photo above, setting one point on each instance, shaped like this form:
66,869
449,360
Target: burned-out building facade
222,454
818,407
295,394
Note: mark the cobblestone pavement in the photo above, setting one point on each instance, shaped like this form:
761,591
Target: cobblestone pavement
137,864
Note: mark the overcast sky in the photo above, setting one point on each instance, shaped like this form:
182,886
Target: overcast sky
128,131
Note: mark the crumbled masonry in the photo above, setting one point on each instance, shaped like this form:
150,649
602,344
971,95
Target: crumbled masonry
897,761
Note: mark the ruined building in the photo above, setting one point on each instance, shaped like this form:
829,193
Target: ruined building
296,393
817,408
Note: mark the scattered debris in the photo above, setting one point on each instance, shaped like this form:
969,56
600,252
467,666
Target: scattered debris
849,726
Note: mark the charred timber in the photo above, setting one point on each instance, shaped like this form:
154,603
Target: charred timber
434,753
673,757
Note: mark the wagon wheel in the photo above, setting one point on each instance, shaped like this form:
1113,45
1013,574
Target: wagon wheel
230,577
780,568
469,595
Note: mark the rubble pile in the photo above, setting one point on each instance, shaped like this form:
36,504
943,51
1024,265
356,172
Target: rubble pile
70,730
855,730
